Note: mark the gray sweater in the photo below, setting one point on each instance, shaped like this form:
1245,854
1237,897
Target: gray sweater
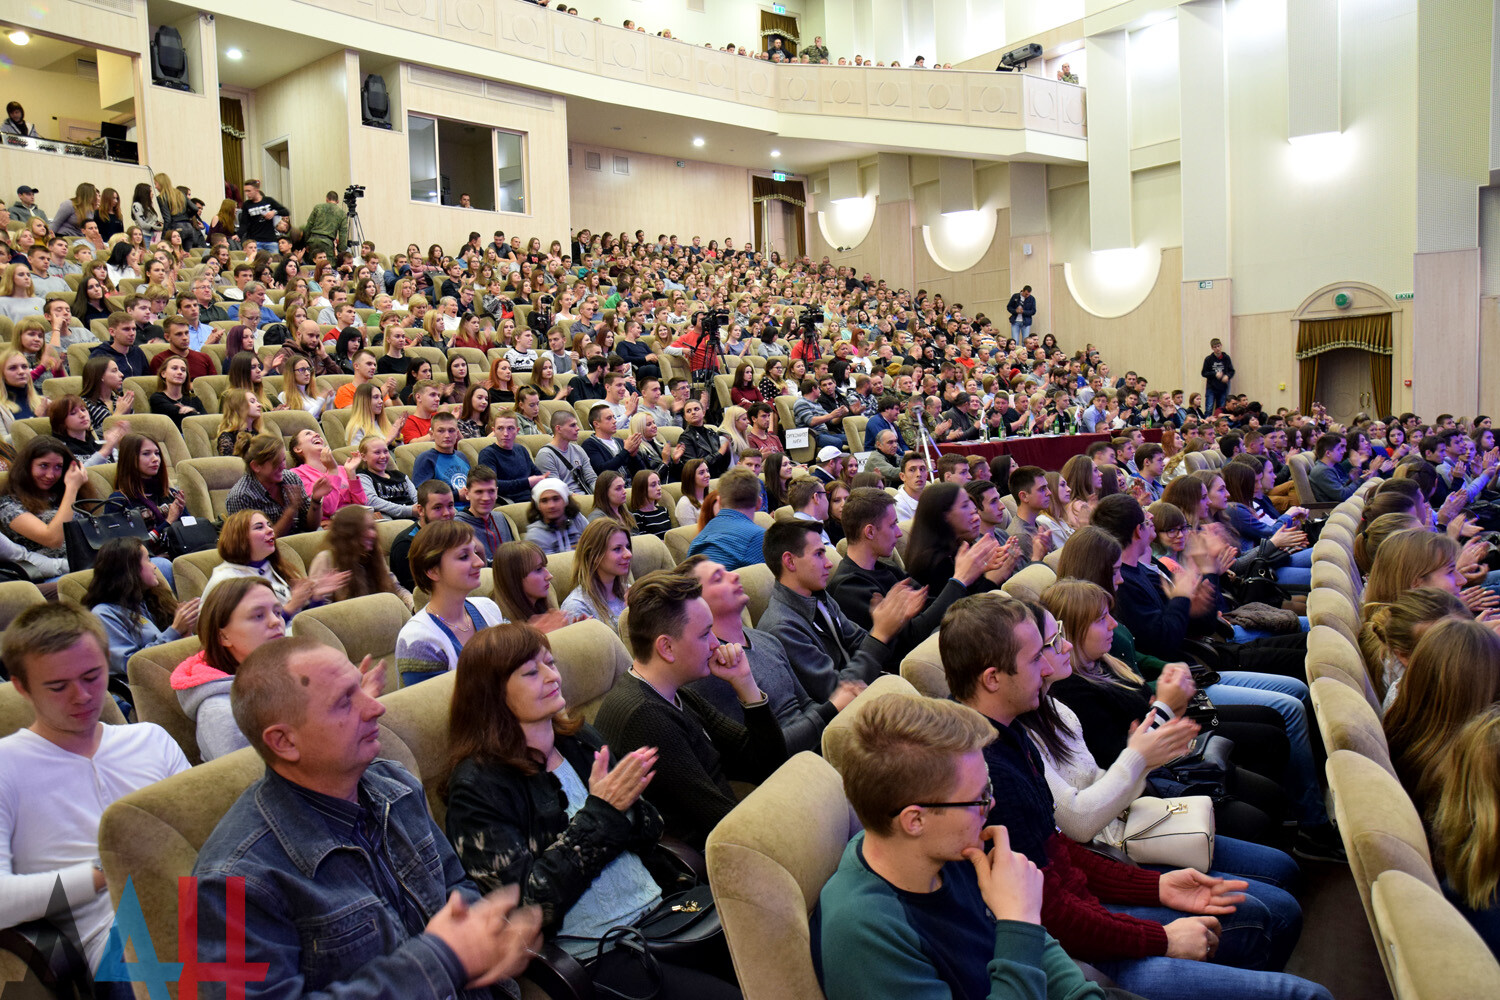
802,720
208,706
859,656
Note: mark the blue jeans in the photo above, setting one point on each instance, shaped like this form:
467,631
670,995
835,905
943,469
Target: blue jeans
1255,942
165,566
825,439
1298,572
1288,696
1018,328
1242,859
1215,396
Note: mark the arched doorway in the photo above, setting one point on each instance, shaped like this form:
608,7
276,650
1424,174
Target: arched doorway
1344,348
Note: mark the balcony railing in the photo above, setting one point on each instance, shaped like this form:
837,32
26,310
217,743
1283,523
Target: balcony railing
947,97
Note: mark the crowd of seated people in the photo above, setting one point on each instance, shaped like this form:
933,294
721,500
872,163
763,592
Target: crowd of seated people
1077,697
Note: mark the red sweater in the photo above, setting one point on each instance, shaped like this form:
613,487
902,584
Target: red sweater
1075,883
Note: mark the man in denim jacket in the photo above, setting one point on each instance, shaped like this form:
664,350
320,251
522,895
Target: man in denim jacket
350,889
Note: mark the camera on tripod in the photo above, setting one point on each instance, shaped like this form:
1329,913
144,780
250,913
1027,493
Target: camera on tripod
352,194
713,321
809,320
540,318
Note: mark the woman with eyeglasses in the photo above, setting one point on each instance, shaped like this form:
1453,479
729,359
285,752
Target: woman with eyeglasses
1090,803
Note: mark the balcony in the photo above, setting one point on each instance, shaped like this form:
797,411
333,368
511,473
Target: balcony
658,73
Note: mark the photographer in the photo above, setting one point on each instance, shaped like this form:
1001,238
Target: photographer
700,344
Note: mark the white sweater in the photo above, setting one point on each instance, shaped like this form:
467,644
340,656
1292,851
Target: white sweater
51,801
1089,801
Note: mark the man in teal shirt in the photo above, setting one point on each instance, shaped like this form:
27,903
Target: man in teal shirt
918,908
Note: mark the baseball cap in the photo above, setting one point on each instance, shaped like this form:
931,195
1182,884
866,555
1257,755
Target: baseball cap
27,189
829,453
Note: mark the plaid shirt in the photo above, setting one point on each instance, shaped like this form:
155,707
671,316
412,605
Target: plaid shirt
250,494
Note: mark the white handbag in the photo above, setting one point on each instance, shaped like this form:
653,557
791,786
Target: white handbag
1177,832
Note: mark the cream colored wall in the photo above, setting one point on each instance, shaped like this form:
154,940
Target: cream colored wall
303,108
57,177
983,287
710,200
181,128
48,97
1143,339
393,219
1302,217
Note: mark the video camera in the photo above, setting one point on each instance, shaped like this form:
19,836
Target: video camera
540,319
713,321
810,318
352,194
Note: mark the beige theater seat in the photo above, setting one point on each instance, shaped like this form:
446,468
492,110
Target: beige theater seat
1431,951
767,861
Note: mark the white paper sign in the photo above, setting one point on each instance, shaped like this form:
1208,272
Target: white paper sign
797,437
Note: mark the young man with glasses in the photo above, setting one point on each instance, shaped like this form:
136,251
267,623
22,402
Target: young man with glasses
917,906
1175,935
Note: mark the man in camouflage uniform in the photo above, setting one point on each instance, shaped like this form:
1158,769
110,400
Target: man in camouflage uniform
327,227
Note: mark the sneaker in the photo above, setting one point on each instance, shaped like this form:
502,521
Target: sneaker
1320,843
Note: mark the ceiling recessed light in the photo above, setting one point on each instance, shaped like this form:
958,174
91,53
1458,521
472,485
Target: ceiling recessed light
697,140
19,38
233,53
775,153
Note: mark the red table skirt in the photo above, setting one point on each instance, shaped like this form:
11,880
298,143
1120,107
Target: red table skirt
1048,452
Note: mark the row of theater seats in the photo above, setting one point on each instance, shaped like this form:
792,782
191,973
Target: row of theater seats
1427,947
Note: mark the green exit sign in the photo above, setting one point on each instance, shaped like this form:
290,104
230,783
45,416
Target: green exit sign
778,8
1402,296
778,176
1205,285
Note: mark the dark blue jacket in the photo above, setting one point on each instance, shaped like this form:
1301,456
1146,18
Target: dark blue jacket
315,911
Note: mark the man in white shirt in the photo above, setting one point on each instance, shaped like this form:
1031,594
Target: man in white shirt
913,478
58,775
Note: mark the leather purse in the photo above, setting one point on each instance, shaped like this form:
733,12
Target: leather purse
86,534
1175,832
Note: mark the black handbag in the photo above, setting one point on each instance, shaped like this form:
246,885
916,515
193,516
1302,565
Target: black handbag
86,534
1202,770
179,539
684,929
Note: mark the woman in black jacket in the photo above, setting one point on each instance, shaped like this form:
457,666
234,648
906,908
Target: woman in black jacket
533,800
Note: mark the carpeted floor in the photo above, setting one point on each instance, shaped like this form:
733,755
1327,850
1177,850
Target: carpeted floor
1337,947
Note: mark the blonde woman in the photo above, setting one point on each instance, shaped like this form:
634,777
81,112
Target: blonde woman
176,213
1391,632
21,400
601,564
1464,824
239,418
18,297
367,416
301,392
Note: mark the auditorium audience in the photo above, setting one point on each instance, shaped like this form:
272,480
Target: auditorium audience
710,699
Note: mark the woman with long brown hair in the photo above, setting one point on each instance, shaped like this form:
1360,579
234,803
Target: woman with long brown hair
352,545
535,799
1454,674
247,544
134,602
523,584
601,564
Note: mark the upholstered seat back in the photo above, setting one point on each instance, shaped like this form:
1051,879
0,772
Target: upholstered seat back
767,861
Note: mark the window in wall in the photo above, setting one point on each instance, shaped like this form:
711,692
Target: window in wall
451,159
422,146
510,154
